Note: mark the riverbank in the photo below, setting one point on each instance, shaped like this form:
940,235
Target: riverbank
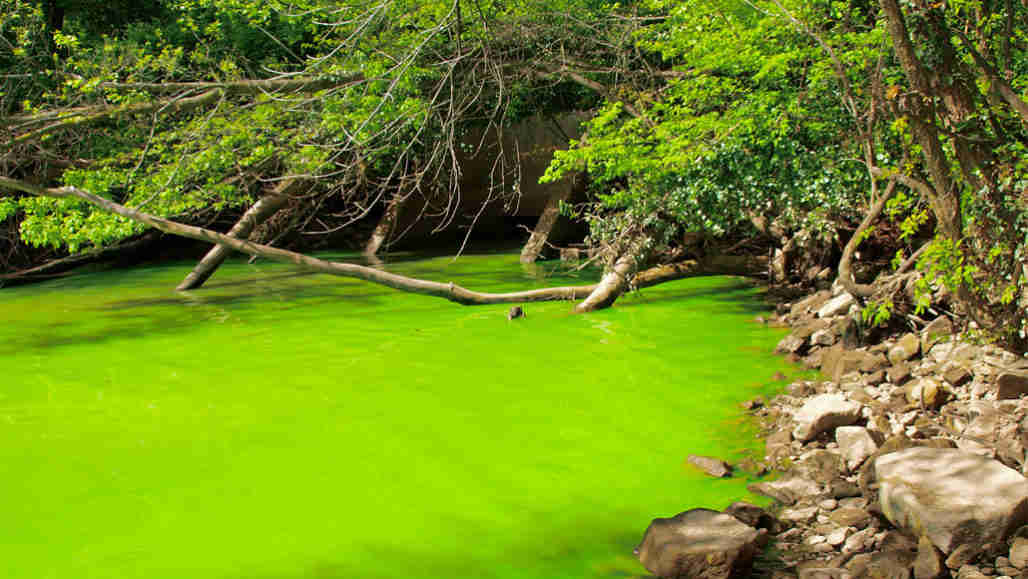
906,460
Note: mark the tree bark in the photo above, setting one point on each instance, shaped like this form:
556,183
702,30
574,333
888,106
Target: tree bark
615,280
385,224
944,197
534,246
601,294
846,262
258,213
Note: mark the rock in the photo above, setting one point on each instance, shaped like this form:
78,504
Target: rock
790,344
842,489
754,403
950,496
875,378
851,517
825,573
890,565
898,374
954,352
855,444
957,376
1019,553
751,515
896,541
970,572
822,413
713,466
840,304
1011,385
926,393
515,313
961,556
799,515
858,564
939,328
873,362
929,563
819,464
823,337
800,389
859,541
906,348
699,543
777,445
838,536
810,303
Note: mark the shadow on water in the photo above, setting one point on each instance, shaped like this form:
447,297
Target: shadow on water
741,294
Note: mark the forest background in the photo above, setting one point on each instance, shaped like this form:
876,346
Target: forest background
883,144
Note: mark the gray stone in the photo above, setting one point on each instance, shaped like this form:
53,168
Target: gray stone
699,543
856,444
823,337
838,536
751,515
939,328
811,303
890,565
1019,553
961,556
1010,385
840,304
898,374
970,572
929,563
859,541
950,496
957,376
799,515
926,393
873,362
822,413
825,573
790,344
715,467
851,517
906,348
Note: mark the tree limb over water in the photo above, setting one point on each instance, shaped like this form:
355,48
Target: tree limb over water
449,291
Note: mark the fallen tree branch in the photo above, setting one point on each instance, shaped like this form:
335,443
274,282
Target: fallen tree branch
718,265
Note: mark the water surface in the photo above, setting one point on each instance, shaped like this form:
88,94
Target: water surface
280,426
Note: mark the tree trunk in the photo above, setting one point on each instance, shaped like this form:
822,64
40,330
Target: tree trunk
385,225
944,197
534,246
258,213
615,281
600,295
846,263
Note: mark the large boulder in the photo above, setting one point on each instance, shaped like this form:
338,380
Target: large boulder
952,497
699,543
823,413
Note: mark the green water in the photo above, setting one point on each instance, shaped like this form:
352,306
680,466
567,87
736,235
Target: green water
279,426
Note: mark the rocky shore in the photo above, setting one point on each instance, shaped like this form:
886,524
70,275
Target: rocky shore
907,461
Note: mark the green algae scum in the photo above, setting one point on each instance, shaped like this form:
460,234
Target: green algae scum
277,425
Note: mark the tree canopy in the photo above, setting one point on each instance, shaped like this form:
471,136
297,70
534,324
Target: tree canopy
815,125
